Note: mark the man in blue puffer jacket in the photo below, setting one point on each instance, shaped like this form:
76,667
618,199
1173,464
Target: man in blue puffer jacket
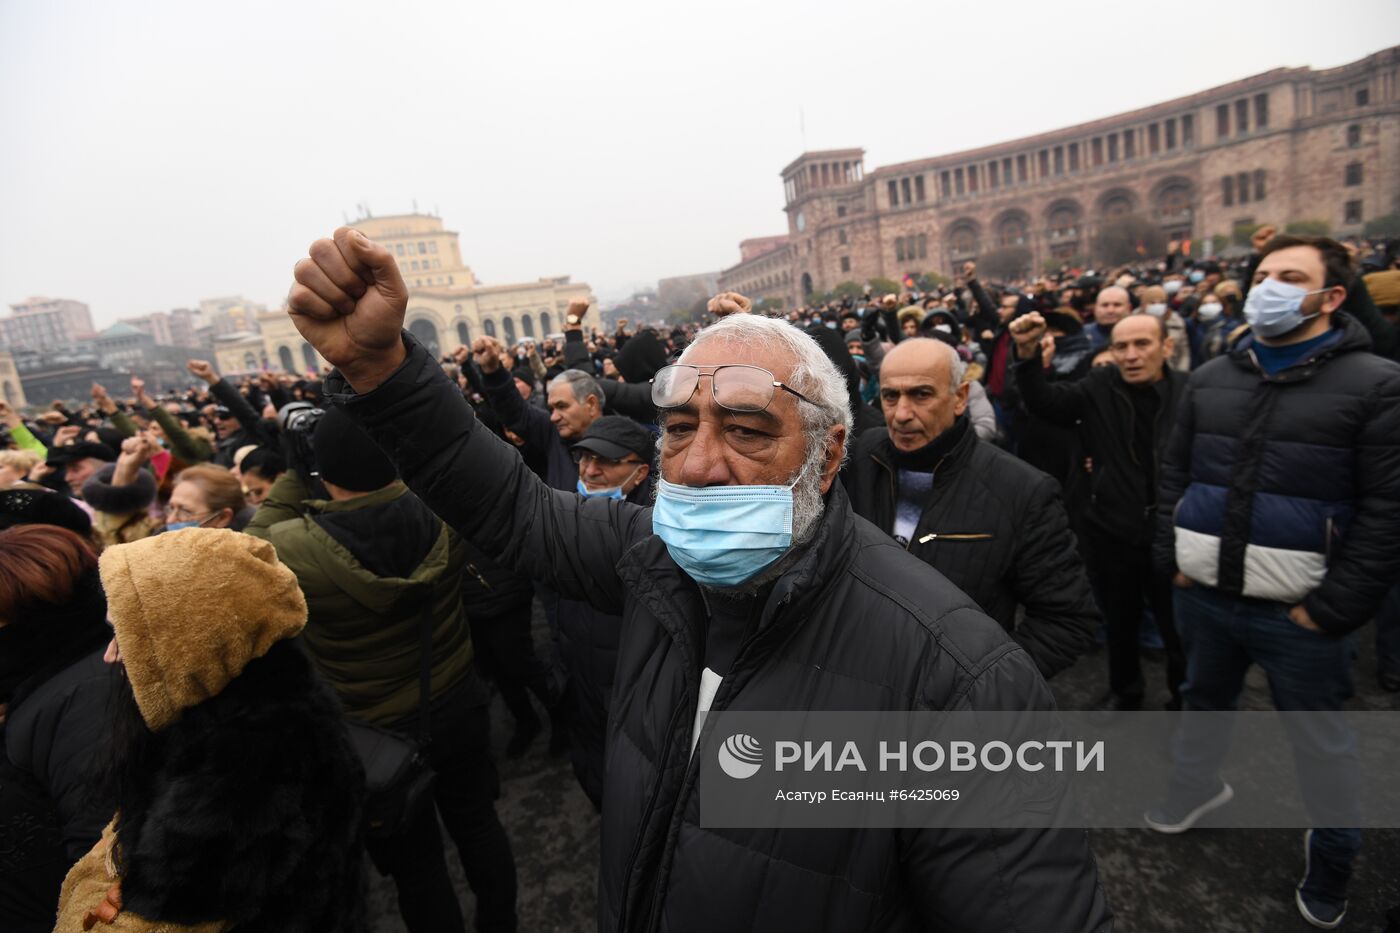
1279,514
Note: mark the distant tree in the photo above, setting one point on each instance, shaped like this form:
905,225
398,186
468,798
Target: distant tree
1126,239
1218,242
1241,232
1388,225
847,289
1005,262
765,305
880,286
695,313
1309,228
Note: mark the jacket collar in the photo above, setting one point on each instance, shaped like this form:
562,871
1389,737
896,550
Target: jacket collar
884,452
369,500
1355,338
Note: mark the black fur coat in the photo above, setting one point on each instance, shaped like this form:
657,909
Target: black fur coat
249,811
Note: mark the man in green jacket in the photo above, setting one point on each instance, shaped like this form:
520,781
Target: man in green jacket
373,563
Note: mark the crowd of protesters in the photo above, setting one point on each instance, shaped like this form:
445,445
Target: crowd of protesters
197,590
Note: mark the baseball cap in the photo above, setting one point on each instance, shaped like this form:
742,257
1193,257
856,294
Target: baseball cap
616,436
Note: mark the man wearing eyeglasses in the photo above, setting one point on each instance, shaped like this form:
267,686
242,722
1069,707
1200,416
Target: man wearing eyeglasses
750,585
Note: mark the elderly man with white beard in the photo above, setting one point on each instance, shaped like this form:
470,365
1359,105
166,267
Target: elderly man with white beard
748,585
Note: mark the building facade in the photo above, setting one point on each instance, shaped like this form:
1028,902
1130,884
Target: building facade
45,324
11,389
1289,144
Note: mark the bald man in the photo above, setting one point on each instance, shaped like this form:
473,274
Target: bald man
990,523
1112,305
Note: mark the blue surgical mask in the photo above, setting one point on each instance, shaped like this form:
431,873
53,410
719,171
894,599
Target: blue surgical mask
723,535
1197,276
612,492
1275,308
176,526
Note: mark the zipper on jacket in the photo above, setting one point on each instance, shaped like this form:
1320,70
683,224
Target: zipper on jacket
954,537
477,573
646,814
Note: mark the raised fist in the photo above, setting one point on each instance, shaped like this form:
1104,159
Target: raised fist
578,307
488,352
348,302
889,302
98,392
969,270
1027,330
1262,235
201,369
727,303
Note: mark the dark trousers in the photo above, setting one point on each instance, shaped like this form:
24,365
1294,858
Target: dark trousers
1224,635
506,655
1125,582
465,793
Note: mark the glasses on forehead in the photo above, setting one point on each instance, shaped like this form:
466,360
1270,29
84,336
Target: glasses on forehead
736,387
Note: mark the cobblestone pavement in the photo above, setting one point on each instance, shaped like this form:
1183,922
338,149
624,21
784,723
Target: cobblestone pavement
1203,881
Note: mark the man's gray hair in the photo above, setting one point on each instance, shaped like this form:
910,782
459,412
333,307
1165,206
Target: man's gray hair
813,372
581,384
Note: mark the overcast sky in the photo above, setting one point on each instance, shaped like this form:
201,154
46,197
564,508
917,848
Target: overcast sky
154,153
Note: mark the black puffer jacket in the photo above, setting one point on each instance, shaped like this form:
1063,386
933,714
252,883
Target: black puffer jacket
854,624
996,528
1119,504
49,816
1287,487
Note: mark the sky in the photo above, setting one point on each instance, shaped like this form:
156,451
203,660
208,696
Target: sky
156,153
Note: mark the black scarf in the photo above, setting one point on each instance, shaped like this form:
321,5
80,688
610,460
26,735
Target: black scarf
926,457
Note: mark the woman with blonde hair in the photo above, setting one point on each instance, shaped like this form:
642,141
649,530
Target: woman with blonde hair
206,496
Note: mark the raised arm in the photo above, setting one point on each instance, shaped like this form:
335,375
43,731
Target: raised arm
1060,403
348,302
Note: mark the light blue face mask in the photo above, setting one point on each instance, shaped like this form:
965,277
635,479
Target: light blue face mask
723,535
1275,308
612,492
1197,277
176,526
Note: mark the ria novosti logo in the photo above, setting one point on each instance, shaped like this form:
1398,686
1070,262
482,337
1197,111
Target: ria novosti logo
741,756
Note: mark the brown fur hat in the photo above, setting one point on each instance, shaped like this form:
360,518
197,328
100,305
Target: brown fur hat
191,608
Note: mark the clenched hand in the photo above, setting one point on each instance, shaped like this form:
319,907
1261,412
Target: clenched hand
348,302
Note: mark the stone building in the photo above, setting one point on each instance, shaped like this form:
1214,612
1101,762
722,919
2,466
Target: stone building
1289,144
45,324
11,389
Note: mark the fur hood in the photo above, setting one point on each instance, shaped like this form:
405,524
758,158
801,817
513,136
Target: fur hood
248,817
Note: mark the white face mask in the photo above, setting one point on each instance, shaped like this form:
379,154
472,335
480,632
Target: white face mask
1157,309
1172,287
1209,312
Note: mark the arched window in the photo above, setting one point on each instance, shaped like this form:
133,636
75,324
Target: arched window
284,356
426,334
962,239
464,334
527,324
308,356
489,326
508,326
1011,231
544,323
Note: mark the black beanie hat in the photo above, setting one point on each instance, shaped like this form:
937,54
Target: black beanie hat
345,455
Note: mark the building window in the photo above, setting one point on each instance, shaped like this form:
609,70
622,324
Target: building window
1242,187
1227,190
1353,177
1022,172
422,247
1222,120
1074,157
1154,141
1242,116
958,180
899,249
1354,135
415,265
1044,163
972,178
845,263
841,236
399,248
432,246
1353,212
1171,134
946,180
1129,144
1259,184
1006,170
919,188
992,180
1096,146
893,188
1261,111
1113,147
923,246
1059,160
1188,130
904,188
1363,97
840,210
